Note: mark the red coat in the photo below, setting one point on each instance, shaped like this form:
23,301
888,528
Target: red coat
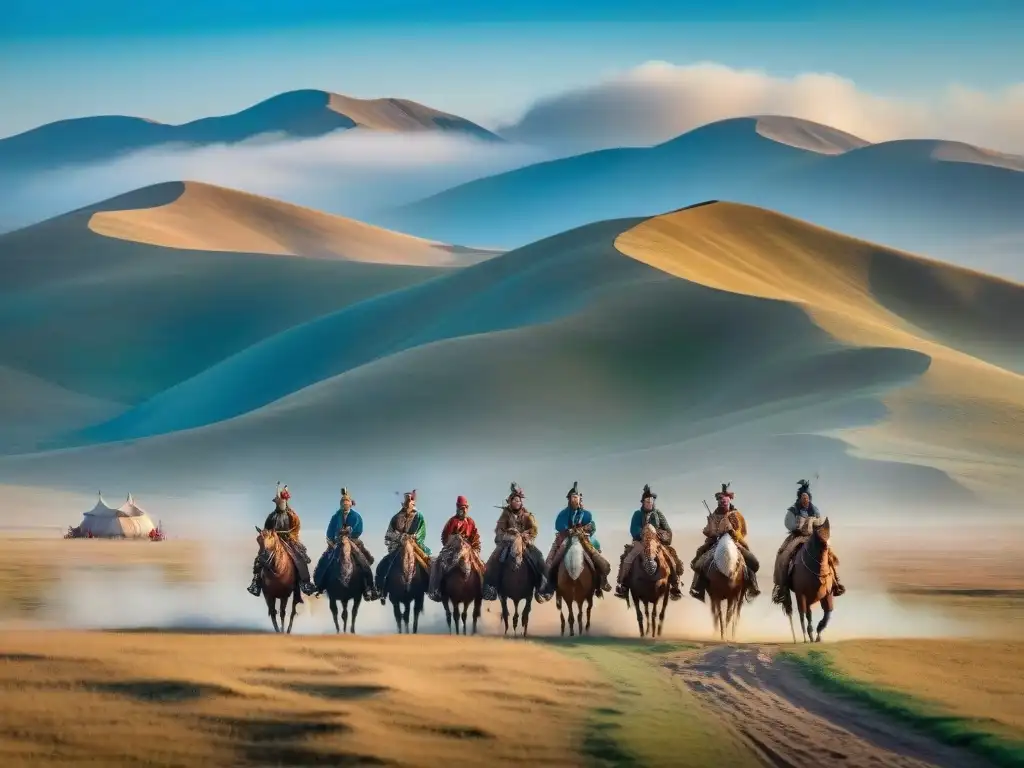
465,526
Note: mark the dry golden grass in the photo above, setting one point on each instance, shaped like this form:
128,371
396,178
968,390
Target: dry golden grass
974,679
964,415
31,569
167,699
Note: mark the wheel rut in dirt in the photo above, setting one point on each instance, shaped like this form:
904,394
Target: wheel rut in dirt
788,723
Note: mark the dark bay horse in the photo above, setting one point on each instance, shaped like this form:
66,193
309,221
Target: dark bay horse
647,581
517,583
280,579
345,585
462,586
577,581
811,581
406,584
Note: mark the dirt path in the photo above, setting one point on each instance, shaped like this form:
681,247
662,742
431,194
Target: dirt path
789,723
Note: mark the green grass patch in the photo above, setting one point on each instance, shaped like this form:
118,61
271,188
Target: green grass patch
972,734
650,719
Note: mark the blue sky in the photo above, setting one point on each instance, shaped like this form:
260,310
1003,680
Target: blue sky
174,61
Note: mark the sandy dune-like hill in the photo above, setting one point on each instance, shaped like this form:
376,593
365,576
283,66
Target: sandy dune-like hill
720,337
942,198
122,299
294,114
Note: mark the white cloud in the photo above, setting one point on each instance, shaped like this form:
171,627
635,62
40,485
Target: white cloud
351,173
657,101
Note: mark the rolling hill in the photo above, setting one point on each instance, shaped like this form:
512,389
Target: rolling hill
719,339
125,298
295,114
950,200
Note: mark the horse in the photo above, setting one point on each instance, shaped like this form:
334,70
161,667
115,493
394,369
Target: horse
647,580
344,586
517,582
462,586
280,578
726,583
406,585
577,581
811,581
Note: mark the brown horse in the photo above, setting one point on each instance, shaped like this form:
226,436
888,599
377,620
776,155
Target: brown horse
811,581
406,585
648,584
280,578
577,581
462,586
518,583
345,585
726,584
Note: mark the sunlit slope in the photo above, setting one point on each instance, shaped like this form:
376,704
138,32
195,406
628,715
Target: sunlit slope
965,415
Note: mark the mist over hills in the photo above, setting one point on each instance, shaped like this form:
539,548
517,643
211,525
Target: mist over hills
950,200
294,114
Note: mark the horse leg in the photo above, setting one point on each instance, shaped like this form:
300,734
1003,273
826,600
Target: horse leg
406,608
295,609
465,610
356,602
283,611
504,612
398,614
344,614
417,610
526,612
334,614
590,607
476,613
639,614
572,618
579,611
561,617
271,609
826,606
515,617
810,624
661,617
448,615
647,618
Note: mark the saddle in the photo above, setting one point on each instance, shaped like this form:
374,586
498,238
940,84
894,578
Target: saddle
448,558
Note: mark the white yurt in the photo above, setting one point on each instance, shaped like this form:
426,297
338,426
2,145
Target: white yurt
128,522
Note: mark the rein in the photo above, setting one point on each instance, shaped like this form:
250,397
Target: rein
806,555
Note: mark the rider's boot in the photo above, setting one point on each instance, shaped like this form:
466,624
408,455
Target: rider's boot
837,589
548,587
255,587
698,587
621,591
674,592
752,589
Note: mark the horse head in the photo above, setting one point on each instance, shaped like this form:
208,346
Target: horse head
268,542
651,550
516,548
823,532
459,546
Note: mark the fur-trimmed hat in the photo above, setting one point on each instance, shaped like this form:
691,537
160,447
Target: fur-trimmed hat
409,496
648,493
803,486
345,495
514,491
725,493
575,490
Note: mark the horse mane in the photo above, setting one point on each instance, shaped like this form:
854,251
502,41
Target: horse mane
347,562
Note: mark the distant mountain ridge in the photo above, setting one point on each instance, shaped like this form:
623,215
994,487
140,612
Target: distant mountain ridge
296,114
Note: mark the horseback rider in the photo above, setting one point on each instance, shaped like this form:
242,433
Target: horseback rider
406,521
514,517
575,520
459,523
800,522
648,514
725,511
349,522
285,522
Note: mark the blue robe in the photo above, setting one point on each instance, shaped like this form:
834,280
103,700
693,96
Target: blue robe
353,520
568,518
657,519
